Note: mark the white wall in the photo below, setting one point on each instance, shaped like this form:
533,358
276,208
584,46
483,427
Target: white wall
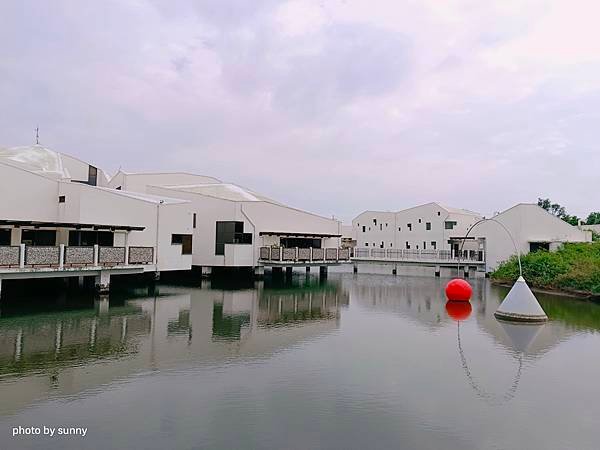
526,223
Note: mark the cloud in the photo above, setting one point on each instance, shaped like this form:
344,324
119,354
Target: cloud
336,106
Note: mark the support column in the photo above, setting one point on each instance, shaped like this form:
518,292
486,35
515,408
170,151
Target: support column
355,268
81,281
437,271
395,270
259,272
307,269
102,282
466,271
206,272
288,272
323,271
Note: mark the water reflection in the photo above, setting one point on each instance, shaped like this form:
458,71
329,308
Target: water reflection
65,352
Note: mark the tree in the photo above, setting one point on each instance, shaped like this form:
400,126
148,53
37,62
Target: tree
593,218
558,211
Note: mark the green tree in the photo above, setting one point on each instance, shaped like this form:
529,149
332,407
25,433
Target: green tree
593,218
557,210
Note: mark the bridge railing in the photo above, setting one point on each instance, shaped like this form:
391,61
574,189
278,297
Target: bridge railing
418,255
299,255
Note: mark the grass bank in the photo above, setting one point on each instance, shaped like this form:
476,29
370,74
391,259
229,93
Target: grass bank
575,268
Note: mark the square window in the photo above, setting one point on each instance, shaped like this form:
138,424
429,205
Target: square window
434,245
409,226
61,199
419,220
428,226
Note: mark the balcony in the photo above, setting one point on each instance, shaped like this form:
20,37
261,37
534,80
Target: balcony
63,258
303,256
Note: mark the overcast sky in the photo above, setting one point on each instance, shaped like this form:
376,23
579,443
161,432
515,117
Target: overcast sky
335,106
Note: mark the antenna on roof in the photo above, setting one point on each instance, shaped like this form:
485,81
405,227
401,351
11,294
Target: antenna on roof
37,135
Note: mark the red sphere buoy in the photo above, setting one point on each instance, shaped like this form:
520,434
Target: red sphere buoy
458,290
458,310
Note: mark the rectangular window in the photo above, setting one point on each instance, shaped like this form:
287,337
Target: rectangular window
380,227
366,244
4,236
381,246
419,220
449,225
409,226
185,240
428,226
230,232
194,221
92,176
364,229
79,238
61,199
434,245
407,245
424,245
399,228
291,242
374,221
38,237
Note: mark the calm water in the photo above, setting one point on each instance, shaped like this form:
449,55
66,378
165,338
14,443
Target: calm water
357,362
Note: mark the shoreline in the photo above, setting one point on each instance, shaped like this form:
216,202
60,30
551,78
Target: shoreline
571,293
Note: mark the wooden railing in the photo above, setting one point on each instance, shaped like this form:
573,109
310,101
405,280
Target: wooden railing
299,255
419,255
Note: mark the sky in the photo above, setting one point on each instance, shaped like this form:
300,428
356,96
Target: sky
334,106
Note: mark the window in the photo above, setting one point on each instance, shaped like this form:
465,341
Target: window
386,225
391,244
399,228
380,227
428,226
92,176
194,221
434,245
407,245
417,246
419,220
300,242
449,225
439,213
374,221
230,233
61,199
118,188
80,238
185,240
39,237
366,244
537,246
424,245
381,246
364,229
4,236
409,226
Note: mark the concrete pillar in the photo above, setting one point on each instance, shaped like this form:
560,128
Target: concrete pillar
102,282
466,271
437,271
288,272
81,282
395,270
355,268
323,271
307,269
206,272
259,272
22,256
97,254
61,256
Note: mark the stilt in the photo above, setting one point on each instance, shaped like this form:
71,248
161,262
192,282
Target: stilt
395,270
307,269
102,282
259,272
288,272
437,271
81,281
355,268
323,271
466,271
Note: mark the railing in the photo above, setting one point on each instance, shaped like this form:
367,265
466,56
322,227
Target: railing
62,256
421,255
296,254
10,256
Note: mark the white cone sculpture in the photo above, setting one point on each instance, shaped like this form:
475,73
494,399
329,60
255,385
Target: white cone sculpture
521,305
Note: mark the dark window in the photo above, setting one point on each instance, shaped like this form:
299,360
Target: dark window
374,221
61,199
434,245
230,233
391,244
185,240
409,225
78,238
449,225
366,244
399,228
407,245
39,237
4,237
417,246
428,226
381,246
419,220
92,176
364,228
439,213
118,188
536,246
194,220
300,242
380,227
424,245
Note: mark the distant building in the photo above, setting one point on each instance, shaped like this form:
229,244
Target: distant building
425,227
531,227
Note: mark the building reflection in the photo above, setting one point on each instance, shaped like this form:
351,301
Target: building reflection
62,353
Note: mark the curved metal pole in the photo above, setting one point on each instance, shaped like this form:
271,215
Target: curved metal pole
507,232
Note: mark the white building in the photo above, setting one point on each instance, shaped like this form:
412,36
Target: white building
531,227
57,218
424,227
236,227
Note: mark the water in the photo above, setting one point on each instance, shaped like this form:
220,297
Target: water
356,362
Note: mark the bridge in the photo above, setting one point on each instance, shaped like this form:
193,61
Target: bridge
469,260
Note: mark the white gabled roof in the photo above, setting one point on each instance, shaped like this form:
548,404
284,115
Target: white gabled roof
225,191
143,197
